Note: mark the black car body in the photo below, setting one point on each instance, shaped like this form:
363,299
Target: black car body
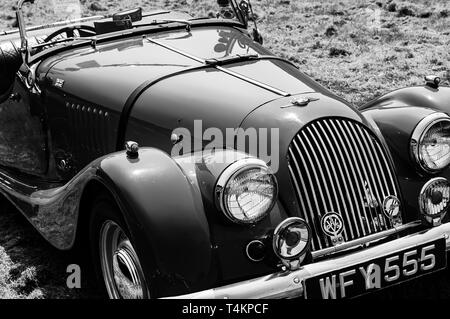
68,109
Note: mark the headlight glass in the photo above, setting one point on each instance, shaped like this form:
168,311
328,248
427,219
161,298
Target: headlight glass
247,191
291,238
431,143
434,199
434,147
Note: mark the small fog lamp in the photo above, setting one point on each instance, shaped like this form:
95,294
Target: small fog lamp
291,240
434,200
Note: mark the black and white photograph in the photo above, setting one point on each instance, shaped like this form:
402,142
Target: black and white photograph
218,152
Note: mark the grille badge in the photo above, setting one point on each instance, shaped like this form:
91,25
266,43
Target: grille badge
370,200
333,225
391,208
301,101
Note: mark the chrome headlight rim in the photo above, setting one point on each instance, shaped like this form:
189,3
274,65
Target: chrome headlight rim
417,138
281,228
228,174
422,194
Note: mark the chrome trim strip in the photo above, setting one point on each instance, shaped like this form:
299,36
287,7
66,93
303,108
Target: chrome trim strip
364,240
289,284
229,72
253,81
168,47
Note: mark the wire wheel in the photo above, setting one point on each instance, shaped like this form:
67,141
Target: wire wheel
121,269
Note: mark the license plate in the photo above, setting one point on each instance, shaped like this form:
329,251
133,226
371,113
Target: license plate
378,273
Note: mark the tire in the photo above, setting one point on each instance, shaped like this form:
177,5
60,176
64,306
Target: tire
116,262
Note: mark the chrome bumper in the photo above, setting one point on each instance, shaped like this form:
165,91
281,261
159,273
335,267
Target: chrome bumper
289,284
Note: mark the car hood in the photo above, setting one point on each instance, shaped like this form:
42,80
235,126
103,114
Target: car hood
110,73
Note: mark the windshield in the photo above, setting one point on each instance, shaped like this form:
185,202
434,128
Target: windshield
44,12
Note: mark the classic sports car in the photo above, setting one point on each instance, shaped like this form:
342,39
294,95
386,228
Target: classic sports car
104,144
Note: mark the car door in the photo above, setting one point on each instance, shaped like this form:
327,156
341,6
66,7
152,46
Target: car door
22,135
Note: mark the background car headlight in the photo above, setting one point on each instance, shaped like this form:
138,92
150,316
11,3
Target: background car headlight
291,238
430,142
246,191
434,198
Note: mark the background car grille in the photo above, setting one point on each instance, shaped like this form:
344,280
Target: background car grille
338,165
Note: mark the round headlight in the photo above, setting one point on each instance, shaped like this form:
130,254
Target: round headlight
246,191
430,142
291,238
434,197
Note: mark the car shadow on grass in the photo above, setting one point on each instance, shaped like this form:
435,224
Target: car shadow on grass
32,268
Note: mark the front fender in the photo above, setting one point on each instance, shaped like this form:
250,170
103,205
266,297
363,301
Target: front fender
396,114
162,208
421,96
396,124
165,216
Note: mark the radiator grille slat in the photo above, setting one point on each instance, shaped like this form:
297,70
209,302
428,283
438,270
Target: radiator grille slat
371,190
332,178
349,161
342,179
315,240
337,165
314,186
376,164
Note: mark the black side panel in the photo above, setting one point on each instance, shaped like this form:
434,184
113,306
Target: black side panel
22,136
80,132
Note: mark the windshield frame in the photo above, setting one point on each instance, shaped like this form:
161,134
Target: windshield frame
26,52
139,31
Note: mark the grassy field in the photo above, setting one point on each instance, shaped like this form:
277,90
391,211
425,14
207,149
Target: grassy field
359,49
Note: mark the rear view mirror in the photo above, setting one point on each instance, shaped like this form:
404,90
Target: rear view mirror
133,15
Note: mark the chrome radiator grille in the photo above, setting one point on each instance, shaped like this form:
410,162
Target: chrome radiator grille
337,165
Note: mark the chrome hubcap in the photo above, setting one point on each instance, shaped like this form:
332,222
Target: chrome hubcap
120,265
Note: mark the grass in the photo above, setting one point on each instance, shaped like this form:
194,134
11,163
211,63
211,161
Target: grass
29,267
359,49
